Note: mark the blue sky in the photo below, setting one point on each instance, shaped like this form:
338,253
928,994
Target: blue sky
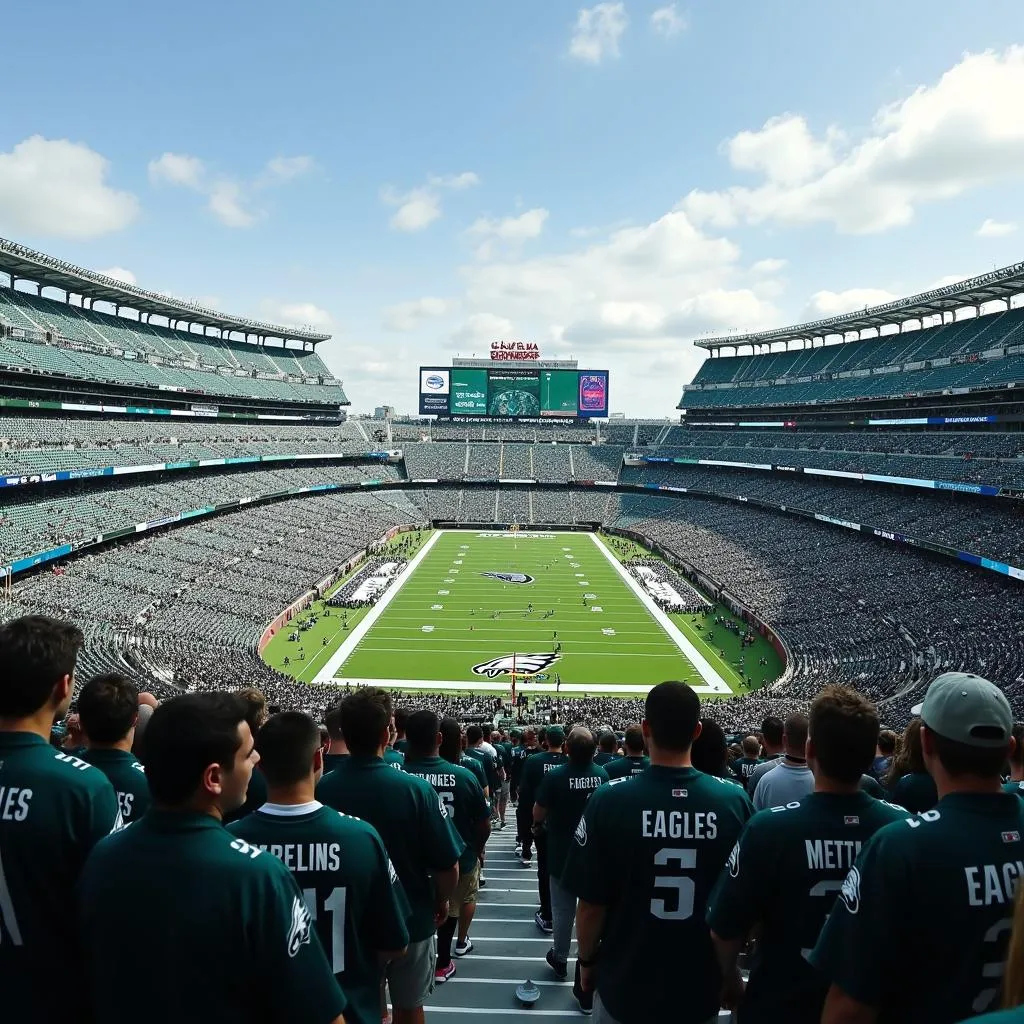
610,181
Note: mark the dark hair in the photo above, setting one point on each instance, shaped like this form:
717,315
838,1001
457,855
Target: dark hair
908,758
108,706
185,736
771,730
451,739
365,717
474,734
286,744
710,753
608,742
672,710
255,707
844,731
332,721
887,742
421,729
36,653
634,739
401,718
795,731
960,759
581,746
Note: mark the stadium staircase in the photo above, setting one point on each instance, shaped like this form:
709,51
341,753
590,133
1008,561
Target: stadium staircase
508,948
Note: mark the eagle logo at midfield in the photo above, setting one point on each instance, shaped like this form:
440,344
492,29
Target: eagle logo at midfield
299,931
528,663
508,577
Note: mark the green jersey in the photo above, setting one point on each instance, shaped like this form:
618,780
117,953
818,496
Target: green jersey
536,767
402,746
53,809
225,920
349,887
463,799
331,761
255,797
518,762
742,767
602,758
490,768
916,792
411,820
393,757
564,792
783,876
473,765
128,778
1015,1016
627,767
650,850
1017,788
938,888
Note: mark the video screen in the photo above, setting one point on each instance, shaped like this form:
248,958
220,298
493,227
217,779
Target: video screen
518,392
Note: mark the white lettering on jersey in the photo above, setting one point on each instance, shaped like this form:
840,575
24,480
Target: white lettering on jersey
306,856
299,930
584,782
992,883
14,803
243,847
124,802
75,762
830,854
680,825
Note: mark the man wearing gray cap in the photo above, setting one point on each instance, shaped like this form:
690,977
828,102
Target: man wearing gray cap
938,887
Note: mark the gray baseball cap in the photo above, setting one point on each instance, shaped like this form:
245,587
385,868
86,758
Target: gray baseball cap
967,709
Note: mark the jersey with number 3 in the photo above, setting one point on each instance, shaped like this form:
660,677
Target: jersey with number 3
937,888
650,849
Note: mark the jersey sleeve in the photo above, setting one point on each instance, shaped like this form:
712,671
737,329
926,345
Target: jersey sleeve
854,949
442,845
734,905
300,985
104,813
476,802
388,908
544,791
590,868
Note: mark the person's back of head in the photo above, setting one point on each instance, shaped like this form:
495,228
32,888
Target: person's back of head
771,731
421,733
474,735
580,746
255,707
608,742
401,721
332,721
671,718
843,731
365,720
108,708
794,734
530,738
199,752
634,741
751,747
451,739
38,656
886,743
289,746
710,753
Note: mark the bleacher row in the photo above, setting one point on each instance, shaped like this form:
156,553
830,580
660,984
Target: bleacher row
512,461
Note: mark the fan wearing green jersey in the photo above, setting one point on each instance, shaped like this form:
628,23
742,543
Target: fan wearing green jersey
108,708
337,751
790,861
464,802
643,862
348,883
255,715
524,810
226,921
938,886
505,763
414,826
634,761
607,745
400,743
744,766
53,809
475,747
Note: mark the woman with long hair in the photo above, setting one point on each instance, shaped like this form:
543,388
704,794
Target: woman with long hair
909,783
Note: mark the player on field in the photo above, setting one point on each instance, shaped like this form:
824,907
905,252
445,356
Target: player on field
645,857
464,801
783,875
359,909
221,918
108,708
537,766
561,798
937,887
634,761
790,779
53,809
411,820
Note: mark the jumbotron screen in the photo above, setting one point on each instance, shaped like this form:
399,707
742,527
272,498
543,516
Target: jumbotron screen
515,392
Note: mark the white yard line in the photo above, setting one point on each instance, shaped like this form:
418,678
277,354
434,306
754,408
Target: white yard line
714,682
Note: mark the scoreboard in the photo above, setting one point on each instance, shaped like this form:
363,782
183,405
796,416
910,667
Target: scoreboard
512,392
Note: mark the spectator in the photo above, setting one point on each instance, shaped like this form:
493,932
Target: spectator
504,752
411,820
909,784
400,742
773,746
359,910
255,705
634,761
642,921
913,879
790,780
108,708
337,751
883,755
743,766
709,752
227,921
607,744
56,807
524,810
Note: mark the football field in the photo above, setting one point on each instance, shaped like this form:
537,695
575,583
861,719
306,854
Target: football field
474,606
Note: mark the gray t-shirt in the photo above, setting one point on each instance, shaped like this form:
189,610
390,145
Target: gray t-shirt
784,784
760,771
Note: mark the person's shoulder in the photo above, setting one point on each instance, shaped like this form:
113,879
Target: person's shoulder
887,812
463,774
726,791
74,772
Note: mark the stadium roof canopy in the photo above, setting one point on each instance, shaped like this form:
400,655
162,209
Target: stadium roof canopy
998,284
24,263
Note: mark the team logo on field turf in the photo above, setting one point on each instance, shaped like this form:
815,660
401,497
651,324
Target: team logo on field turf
527,663
508,577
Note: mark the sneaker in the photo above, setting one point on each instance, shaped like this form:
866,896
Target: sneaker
483,882
442,974
543,924
526,861
558,966
584,1000
462,948
519,849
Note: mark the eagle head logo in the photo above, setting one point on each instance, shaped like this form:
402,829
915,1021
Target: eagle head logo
299,930
508,577
850,892
528,663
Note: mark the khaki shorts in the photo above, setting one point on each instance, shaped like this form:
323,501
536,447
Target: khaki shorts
466,891
411,977
506,788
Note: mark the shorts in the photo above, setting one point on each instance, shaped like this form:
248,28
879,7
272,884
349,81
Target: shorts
506,788
466,891
411,977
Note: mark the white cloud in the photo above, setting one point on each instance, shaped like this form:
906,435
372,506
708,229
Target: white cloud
827,303
513,230
59,188
284,168
964,131
481,329
177,169
995,228
296,314
408,316
597,32
667,21
120,274
769,266
225,201
420,207
467,179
